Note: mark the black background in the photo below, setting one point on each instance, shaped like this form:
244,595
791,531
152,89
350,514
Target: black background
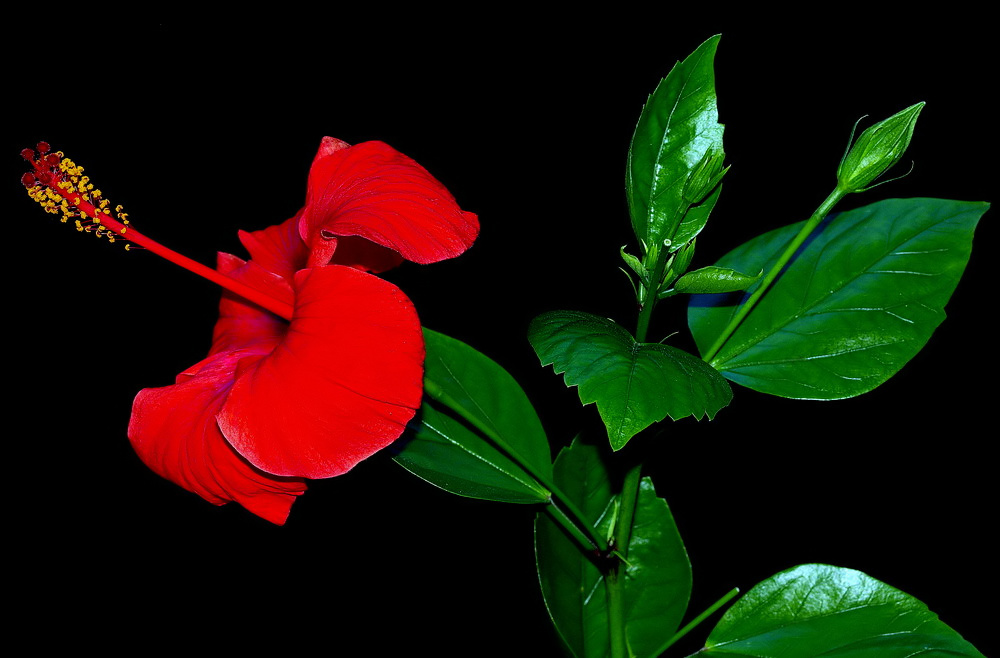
201,126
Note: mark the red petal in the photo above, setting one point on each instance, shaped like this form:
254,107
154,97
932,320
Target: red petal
173,430
278,248
242,323
374,192
341,385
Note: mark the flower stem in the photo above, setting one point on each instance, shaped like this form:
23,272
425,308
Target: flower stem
772,274
568,515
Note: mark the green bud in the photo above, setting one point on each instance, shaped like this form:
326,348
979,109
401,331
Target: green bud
684,257
705,176
879,148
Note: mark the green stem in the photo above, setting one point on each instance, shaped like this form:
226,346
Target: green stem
793,246
569,515
697,620
559,516
627,502
646,312
614,582
615,579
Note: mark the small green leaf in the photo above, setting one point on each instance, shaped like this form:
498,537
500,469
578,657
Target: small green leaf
857,302
657,580
678,133
634,384
820,610
713,279
457,457
636,265
696,218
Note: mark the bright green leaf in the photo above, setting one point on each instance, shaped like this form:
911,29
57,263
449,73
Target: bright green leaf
695,219
657,581
714,279
677,133
450,453
636,265
820,610
634,384
858,301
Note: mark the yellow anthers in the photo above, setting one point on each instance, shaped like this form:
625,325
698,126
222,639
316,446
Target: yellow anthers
59,186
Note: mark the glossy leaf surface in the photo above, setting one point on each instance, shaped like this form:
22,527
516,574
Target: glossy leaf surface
677,130
634,384
857,302
450,453
714,279
657,582
820,610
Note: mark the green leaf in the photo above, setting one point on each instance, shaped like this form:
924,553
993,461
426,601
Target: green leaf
678,133
695,219
657,580
713,279
634,384
820,610
451,453
636,265
857,302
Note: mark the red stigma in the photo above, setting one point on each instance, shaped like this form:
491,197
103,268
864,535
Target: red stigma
46,166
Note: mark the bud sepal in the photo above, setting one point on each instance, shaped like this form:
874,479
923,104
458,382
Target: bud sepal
877,149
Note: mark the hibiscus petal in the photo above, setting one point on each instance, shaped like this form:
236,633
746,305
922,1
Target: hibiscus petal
188,449
241,322
372,191
340,386
278,248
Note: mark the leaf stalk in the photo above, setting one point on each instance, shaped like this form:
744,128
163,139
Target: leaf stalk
568,515
726,598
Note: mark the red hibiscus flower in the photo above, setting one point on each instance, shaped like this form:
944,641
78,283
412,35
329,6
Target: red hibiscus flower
315,364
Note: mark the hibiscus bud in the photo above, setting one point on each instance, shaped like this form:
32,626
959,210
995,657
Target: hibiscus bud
879,148
706,175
